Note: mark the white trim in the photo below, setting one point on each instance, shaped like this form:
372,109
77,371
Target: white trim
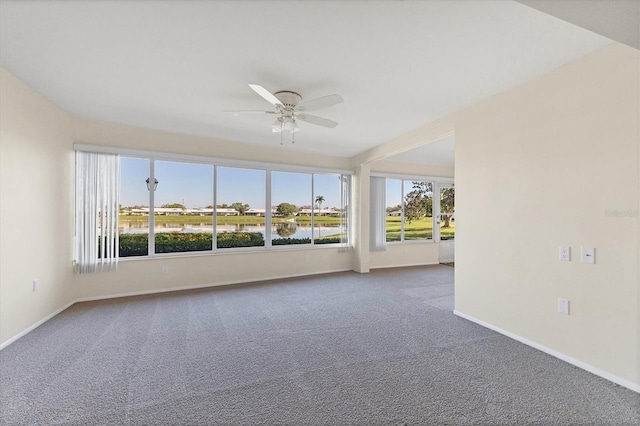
34,326
403,265
439,179
580,364
225,162
421,240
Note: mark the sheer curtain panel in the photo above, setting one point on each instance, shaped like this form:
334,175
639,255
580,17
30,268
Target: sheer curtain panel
97,210
377,214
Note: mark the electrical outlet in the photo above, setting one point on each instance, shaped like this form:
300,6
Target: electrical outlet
306,257
565,253
36,285
165,269
563,306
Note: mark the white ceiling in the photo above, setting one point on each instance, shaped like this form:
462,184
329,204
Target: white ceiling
176,66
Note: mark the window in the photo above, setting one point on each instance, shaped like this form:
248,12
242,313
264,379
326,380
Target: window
327,225
447,211
308,208
183,209
408,210
134,207
394,222
292,201
169,205
240,207
418,204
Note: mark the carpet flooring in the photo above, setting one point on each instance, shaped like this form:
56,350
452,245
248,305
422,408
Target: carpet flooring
365,349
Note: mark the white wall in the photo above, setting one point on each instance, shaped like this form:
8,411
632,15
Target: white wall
538,167
36,202
406,254
188,271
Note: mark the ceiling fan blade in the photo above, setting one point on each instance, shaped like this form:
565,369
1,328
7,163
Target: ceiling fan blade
265,94
250,112
314,119
318,103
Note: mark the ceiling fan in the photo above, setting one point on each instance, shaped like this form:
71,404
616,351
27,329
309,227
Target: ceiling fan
289,109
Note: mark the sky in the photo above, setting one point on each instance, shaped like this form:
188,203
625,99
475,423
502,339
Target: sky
192,185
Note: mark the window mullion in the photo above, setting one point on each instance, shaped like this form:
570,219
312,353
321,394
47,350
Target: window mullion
152,212
214,213
313,210
402,210
268,210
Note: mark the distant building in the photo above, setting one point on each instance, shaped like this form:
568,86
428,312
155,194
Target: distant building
173,211
319,212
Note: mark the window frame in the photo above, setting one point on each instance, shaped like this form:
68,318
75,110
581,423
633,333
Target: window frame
268,168
434,180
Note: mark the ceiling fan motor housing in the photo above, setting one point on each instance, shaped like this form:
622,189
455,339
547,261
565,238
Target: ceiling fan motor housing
289,100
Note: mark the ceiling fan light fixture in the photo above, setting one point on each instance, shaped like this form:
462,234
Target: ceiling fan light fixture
290,125
283,124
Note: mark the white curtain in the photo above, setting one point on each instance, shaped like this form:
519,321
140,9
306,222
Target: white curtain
97,210
377,214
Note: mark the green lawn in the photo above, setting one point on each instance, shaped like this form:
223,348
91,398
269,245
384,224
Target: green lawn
416,230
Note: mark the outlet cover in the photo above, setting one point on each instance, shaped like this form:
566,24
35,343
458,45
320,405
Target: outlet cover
563,306
36,285
565,253
165,269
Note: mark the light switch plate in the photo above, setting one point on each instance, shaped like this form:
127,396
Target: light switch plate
563,306
588,254
565,253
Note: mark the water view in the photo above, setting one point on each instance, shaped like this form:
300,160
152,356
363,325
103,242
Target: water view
279,230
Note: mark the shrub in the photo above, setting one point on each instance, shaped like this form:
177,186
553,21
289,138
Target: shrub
175,242
134,245
240,239
172,242
287,241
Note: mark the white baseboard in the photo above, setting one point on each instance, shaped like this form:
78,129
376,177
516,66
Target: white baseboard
154,291
588,367
404,265
34,326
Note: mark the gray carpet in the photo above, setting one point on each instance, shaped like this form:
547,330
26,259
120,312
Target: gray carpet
376,349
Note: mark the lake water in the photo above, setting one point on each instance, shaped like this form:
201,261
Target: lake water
280,230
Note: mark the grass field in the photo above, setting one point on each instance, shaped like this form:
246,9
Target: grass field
416,230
